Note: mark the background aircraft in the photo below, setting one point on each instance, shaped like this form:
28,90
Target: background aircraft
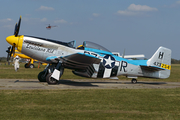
88,60
129,56
49,26
10,54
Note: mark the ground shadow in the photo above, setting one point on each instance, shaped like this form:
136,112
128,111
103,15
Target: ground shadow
152,83
76,83
90,83
26,81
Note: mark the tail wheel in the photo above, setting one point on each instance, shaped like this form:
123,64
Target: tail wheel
51,80
134,81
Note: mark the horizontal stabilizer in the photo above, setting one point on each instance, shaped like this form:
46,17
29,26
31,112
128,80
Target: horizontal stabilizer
152,68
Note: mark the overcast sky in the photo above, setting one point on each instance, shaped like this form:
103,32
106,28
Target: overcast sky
138,26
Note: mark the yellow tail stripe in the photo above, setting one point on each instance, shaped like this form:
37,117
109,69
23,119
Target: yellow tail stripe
166,66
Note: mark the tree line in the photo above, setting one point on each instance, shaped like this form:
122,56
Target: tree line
174,61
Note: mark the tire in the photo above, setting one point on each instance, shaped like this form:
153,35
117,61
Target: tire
31,66
50,80
26,65
42,77
134,81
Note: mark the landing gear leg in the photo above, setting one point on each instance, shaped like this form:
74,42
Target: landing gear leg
134,81
50,80
54,73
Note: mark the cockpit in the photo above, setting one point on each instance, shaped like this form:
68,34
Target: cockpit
87,44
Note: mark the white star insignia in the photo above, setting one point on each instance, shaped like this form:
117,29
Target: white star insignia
109,61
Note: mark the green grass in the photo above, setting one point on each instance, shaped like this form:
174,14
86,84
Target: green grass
8,72
161,104
87,104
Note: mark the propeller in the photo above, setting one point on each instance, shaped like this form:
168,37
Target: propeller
11,49
17,27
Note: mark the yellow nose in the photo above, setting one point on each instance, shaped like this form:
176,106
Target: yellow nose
12,40
18,41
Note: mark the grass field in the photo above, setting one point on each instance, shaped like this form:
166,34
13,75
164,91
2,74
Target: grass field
88,104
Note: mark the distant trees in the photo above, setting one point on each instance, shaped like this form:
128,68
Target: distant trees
3,59
174,61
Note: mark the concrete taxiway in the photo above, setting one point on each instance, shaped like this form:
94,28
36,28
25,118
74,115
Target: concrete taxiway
30,84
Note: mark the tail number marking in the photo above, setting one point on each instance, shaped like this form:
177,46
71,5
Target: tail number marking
166,66
162,65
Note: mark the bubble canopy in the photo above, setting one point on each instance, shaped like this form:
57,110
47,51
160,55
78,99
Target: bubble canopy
88,44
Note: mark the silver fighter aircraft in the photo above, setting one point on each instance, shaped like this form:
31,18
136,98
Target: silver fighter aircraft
88,59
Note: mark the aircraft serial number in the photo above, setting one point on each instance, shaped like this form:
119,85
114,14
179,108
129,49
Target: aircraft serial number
162,65
166,66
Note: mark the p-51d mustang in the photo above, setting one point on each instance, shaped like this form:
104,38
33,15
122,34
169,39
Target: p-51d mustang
87,60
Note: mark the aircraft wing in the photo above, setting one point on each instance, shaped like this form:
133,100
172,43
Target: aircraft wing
78,61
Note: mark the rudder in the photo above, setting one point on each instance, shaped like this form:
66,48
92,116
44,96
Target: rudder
161,59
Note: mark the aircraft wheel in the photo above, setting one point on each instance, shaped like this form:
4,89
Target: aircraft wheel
26,65
31,66
42,77
51,80
134,81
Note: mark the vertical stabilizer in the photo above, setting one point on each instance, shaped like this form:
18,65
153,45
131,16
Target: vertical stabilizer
161,59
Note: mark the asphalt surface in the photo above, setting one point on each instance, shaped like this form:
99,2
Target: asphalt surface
31,84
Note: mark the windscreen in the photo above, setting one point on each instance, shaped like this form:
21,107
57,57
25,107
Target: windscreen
89,44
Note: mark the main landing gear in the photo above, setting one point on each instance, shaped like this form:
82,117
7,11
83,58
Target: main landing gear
30,64
51,73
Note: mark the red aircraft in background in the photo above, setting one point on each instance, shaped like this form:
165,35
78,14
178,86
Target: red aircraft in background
49,26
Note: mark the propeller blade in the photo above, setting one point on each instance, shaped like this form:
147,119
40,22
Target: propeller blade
17,27
13,49
8,50
8,55
123,54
